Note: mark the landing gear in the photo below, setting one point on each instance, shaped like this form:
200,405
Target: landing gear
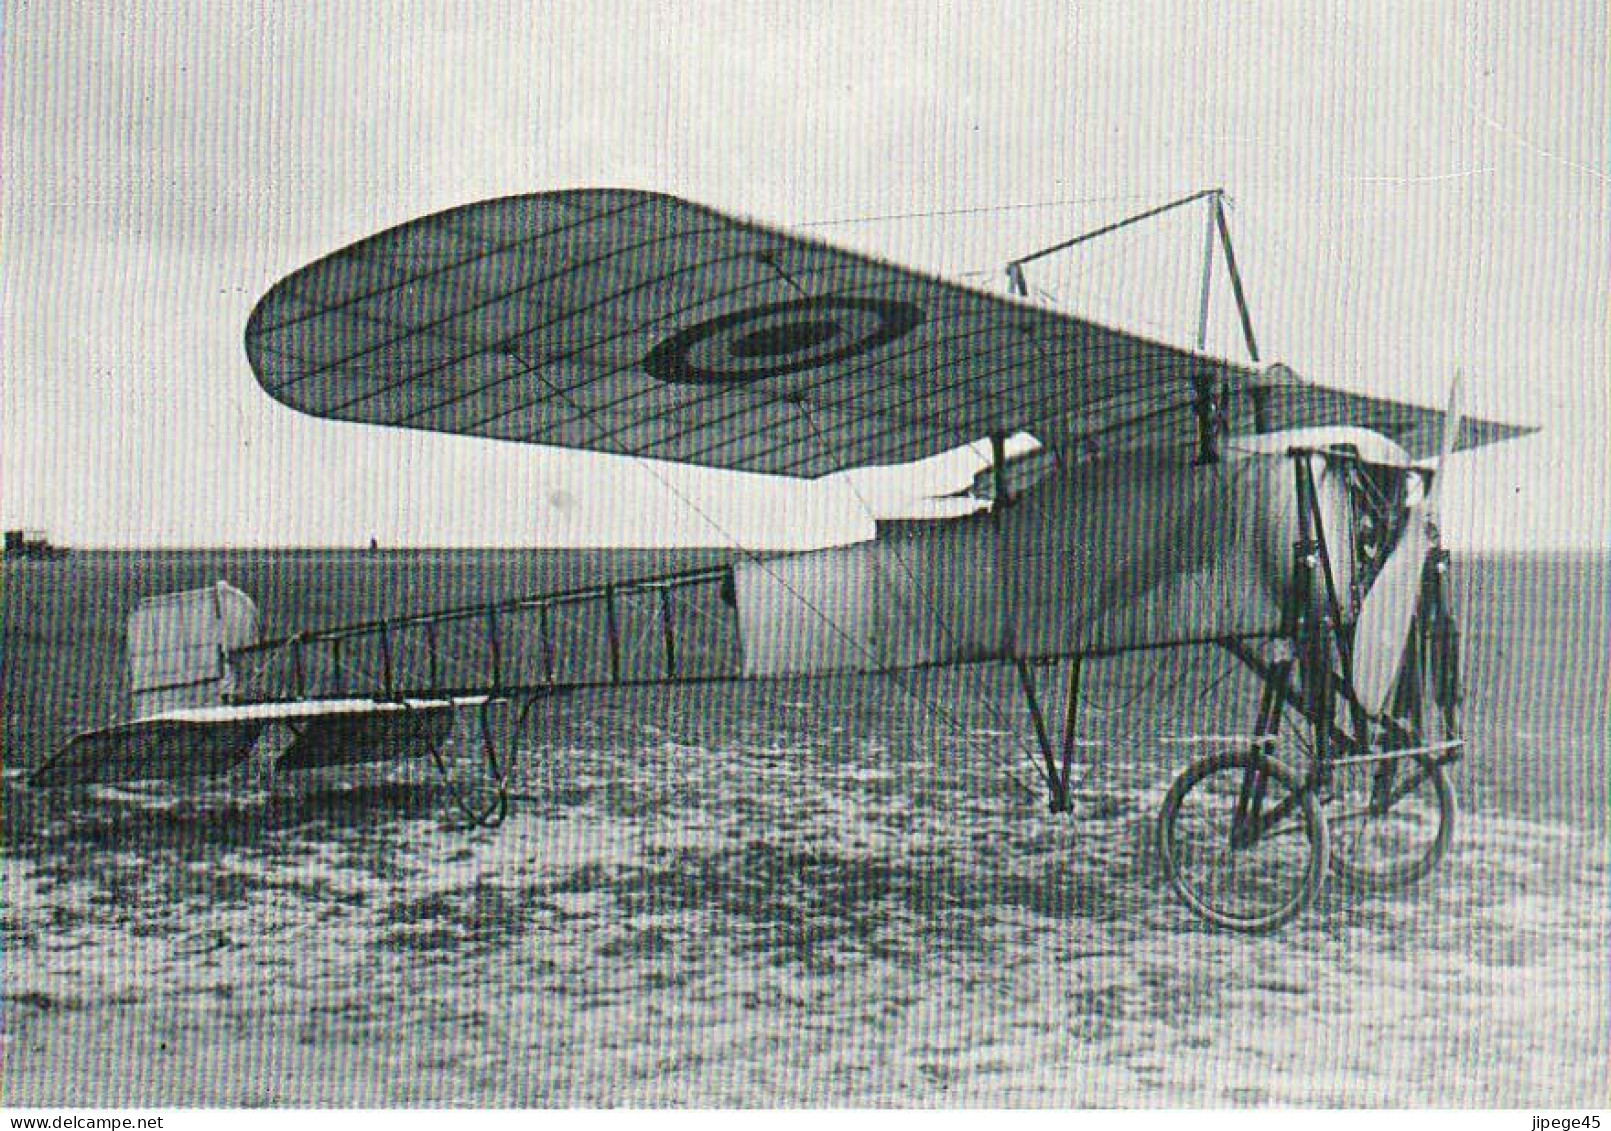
475,762
1246,840
1393,817
1391,821
1242,840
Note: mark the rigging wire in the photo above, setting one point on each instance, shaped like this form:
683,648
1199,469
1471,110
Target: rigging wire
933,611
1069,279
1343,299
978,210
756,560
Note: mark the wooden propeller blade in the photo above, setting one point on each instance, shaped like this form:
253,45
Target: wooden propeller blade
1383,629
1451,434
1385,617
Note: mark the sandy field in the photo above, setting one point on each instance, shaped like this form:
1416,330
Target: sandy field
773,895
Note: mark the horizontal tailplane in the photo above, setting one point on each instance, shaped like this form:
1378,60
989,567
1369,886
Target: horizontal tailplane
372,736
199,741
150,749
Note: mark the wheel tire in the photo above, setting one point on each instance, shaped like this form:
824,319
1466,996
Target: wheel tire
1282,873
1398,847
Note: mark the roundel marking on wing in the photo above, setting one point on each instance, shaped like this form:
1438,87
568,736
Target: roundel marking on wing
779,338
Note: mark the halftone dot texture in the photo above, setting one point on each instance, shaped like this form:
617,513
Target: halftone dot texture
806,892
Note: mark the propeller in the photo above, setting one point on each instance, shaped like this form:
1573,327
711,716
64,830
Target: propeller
1383,630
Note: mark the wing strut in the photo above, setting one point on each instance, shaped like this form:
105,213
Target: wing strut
1216,227
1015,269
1217,207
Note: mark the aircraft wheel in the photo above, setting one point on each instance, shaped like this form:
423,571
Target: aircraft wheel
1391,822
1242,841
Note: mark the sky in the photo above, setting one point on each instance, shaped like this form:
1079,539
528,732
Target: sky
1417,189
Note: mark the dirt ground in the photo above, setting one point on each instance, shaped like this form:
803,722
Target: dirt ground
762,903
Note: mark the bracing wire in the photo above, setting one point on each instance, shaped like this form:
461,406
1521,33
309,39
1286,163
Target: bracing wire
1066,281
978,210
934,612
756,560
922,594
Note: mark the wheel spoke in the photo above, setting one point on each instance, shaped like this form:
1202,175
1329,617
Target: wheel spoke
1394,835
1251,882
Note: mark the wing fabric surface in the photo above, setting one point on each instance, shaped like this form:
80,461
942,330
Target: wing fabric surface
642,325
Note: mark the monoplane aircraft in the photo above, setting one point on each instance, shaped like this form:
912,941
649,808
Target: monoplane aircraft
1169,497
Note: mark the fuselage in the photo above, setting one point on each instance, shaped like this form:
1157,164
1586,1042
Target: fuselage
1138,550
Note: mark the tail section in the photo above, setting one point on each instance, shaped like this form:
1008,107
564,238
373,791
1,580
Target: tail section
181,652
151,748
